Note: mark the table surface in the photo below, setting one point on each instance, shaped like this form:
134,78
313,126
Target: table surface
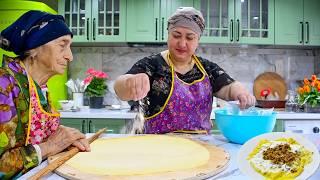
232,171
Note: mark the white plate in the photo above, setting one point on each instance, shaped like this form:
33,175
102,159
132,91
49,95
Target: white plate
247,148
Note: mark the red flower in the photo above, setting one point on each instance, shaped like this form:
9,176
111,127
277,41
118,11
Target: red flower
265,92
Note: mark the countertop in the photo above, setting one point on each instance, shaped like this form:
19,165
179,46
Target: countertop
232,171
126,114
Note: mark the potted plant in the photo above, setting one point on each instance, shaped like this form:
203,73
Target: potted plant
96,87
309,94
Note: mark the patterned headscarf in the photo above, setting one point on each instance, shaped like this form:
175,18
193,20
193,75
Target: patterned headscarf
31,30
187,17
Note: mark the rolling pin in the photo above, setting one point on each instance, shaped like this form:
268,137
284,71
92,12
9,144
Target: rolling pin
61,160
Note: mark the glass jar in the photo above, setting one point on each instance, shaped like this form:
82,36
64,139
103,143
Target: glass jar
291,103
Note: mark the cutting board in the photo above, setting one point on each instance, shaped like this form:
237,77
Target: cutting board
219,160
270,80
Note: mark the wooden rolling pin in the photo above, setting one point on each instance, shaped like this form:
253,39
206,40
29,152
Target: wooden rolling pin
61,160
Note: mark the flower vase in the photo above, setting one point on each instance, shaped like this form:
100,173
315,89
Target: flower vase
309,109
96,102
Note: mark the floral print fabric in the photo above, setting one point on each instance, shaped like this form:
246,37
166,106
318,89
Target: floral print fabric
160,77
15,157
43,124
188,109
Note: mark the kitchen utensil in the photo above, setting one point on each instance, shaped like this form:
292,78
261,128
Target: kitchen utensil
246,149
270,80
271,103
239,128
218,161
63,157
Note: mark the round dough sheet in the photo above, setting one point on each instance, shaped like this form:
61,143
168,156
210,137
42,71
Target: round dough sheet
138,155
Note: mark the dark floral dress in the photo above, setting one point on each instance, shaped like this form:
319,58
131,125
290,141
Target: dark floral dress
160,77
15,157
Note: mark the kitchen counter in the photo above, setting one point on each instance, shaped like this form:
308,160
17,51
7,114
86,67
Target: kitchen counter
126,114
232,171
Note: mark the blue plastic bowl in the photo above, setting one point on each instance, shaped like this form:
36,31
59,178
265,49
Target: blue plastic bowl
240,128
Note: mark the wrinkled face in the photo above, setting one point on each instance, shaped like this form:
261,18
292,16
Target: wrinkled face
55,55
182,43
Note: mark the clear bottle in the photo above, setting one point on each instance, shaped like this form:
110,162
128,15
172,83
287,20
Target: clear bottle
291,103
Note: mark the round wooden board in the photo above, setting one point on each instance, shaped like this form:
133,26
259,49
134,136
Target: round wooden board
219,160
270,80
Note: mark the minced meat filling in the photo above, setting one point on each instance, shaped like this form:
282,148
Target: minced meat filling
280,154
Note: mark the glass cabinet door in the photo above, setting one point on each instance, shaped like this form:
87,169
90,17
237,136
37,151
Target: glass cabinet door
219,21
168,7
108,20
254,21
77,14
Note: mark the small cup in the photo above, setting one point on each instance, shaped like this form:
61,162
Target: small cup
78,99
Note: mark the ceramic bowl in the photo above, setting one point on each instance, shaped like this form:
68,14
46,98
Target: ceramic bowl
66,104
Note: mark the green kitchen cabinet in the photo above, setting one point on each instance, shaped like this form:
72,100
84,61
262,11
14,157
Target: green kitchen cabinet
297,22
279,127
113,126
238,21
10,10
95,21
78,123
85,125
147,19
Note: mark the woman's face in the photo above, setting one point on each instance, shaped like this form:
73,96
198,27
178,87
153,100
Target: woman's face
55,55
182,43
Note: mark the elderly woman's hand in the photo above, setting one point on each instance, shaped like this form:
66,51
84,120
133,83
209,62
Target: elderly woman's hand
63,138
138,86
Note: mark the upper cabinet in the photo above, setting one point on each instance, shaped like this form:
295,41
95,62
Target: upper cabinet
297,22
238,21
147,19
95,20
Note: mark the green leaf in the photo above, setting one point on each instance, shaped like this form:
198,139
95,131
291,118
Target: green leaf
3,139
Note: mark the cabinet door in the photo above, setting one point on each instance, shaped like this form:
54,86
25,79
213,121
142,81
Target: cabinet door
312,22
108,20
219,21
143,20
77,14
80,124
288,22
254,21
168,7
279,126
113,126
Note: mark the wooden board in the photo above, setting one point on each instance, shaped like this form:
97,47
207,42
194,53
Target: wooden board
270,80
219,160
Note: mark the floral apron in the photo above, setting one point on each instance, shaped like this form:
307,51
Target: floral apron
188,107
41,123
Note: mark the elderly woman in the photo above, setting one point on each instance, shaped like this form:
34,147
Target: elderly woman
178,84
29,125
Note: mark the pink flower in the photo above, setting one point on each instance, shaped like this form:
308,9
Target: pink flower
101,74
90,71
88,80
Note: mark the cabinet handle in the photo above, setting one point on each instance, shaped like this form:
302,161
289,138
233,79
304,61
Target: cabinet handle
231,30
156,28
238,30
83,128
162,33
308,32
302,33
94,28
88,29
91,130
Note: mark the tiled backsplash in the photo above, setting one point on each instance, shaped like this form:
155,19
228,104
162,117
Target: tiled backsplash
242,63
